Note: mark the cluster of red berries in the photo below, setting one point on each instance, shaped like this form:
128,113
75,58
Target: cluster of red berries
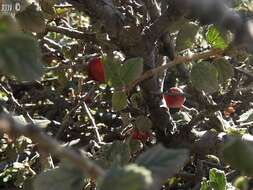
173,97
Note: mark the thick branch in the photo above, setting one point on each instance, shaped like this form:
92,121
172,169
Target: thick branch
8,125
207,12
162,24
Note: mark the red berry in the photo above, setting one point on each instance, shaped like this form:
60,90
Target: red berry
96,69
228,111
142,136
174,98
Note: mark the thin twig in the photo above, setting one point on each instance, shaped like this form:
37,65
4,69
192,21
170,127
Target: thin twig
152,7
93,123
176,61
61,67
63,6
245,72
72,33
16,103
66,119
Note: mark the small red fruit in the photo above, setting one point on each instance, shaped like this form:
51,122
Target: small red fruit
96,69
229,110
142,136
174,98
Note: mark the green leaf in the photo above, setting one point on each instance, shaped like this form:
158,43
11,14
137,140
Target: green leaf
224,68
242,182
112,72
131,70
131,177
186,36
31,19
163,162
215,39
117,75
246,116
65,177
204,76
239,155
119,101
143,123
24,62
115,154
217,179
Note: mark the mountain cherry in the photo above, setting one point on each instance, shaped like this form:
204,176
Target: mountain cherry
174,98
96,69
141,136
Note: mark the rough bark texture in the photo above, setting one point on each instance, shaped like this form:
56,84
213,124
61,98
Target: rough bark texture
136,40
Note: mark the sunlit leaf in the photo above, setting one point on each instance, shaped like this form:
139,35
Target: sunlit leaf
215,39
119,100
217,179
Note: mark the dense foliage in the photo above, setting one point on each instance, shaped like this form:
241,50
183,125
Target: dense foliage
126,95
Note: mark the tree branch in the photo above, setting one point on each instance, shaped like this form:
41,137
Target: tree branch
14,101
72,33
176,61
99,140
207,12
8,125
